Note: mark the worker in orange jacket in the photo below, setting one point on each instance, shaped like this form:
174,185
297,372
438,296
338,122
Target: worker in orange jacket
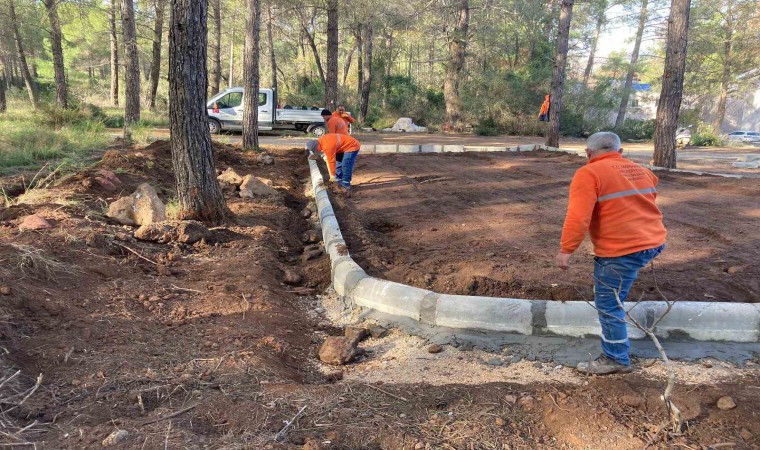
334,123
613,200
341,152
341,112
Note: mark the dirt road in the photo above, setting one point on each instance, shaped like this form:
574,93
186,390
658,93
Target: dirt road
489,224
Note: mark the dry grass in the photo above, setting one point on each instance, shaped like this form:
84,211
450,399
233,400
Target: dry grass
33,263
13,395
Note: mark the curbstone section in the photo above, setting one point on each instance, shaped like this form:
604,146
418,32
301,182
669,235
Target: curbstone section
386,148
431,148
367,149
701,321
406,148
453,148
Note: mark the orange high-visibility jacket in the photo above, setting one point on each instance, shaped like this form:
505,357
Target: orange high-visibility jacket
332,143
346,117
613,200
336,124
545,106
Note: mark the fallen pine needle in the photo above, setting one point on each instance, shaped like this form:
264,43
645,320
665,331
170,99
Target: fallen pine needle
387,393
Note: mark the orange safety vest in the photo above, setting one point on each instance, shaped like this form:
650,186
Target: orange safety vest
333,143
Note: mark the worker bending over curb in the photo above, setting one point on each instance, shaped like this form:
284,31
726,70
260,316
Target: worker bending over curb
341,152
335,123
613,200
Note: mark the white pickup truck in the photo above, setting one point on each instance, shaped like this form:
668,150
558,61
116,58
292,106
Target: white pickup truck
225,112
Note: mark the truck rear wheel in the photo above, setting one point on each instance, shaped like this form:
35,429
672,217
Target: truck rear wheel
214,127
317,130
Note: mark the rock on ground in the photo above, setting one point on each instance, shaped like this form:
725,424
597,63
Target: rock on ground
115,438
377,332
265,159
107,180
434,348
229,176
184,232
338,350
34,222
143,207
726,403
292,277
356,334
634,401
255,187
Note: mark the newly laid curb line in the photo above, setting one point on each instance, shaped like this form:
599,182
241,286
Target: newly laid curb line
702,321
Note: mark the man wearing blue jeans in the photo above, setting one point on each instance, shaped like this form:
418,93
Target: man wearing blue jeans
613,200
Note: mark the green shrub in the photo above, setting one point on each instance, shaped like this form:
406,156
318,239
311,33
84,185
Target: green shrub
487,127
705,137
636,130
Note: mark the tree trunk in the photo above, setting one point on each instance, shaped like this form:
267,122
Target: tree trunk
3,101
726,78
251,77
632,67
199,195
558,72
155,66
232,59
131,68
672,85
313,45
270,39
331,79
592,51
61,89
114,55
359,59
349,60
216,47
28,81
457,48
366,71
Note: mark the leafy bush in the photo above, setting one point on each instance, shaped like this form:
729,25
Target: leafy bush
705,136
487,127
636,130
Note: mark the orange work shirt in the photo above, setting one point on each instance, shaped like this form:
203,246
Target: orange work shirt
336,124
333,143
613,200
346,117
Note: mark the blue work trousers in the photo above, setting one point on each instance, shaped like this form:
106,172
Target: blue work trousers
613,275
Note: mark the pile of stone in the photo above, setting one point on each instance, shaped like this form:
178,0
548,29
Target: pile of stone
246,186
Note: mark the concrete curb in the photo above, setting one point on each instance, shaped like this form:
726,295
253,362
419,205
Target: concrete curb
702,321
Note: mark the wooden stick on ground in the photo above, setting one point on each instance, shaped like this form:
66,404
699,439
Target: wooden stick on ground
387,393
170,416
139,255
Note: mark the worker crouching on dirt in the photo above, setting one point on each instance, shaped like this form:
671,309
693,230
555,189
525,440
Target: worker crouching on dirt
341,152
613,200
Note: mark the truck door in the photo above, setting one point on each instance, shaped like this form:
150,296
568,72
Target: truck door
230,109
266,110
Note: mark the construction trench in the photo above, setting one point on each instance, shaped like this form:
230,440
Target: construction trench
458,248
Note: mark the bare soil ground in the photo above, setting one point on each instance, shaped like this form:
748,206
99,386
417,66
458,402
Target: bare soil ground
203,346
489,224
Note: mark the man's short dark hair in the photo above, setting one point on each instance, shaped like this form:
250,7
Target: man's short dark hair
326,112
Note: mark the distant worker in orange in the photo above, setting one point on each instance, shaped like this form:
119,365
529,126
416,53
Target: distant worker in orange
335,124
341,112
613,200
341,152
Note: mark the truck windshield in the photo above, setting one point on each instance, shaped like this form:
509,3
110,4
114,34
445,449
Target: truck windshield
231,100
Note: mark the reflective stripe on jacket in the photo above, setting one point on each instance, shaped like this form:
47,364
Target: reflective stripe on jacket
331,144
613,200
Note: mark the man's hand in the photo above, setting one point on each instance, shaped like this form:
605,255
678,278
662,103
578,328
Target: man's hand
332,179
563,260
